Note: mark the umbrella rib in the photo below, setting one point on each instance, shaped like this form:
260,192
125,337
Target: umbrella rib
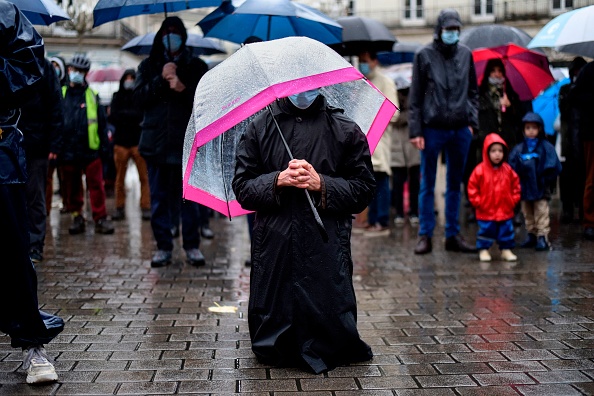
223,178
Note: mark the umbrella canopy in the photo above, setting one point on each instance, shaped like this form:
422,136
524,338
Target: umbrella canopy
487,36
112,10
364,34
232,93
141,45
570,32
401,53
526,70
41,12
547,105
269,20
105,74
401,74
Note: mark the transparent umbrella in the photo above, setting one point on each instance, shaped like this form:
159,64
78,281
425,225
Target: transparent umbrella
235,91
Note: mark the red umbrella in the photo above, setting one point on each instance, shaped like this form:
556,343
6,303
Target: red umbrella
527,71
106,74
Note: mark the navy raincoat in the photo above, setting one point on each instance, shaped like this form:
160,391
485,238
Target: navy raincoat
302,308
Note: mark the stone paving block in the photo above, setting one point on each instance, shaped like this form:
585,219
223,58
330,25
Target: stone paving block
391,382
136,355
317,384
556,377
568,364
445,381
365,392
75,376
520,367
428,358
548,344
170,364
586,387
28,390
148,388
548,390
575,353
409,340
463,368
502,379
124,376
210,363
284,373
487,391
355,372
460,339
266,385
425,392
535,354
408,369
478,357
87,389
121,346
494,346
98,365
443,348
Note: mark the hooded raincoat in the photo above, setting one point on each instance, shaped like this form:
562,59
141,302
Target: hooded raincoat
302,306
439,97
494,192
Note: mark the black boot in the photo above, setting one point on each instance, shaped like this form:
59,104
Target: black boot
530,241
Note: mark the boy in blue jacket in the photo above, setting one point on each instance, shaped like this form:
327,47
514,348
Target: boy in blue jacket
536,163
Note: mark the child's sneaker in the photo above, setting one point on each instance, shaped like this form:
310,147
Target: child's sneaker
399,220
39,369
507,255
414,220
484,255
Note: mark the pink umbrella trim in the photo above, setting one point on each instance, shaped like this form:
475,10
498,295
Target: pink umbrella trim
220,205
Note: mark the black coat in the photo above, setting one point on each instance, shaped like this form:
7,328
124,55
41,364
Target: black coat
302,303
125,116
41,117
165,112
511,119
581,97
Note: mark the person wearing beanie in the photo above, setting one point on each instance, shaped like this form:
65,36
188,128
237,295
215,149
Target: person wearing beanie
536,162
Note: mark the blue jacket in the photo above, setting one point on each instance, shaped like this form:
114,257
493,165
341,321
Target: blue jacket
537,170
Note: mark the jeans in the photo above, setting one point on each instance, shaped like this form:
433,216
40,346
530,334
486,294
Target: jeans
491,231
73,189
455,143
165,183
379,207
37,171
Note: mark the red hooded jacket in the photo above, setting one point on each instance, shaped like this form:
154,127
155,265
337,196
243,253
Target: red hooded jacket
494,192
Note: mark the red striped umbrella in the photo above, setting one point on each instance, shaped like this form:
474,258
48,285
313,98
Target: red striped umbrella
527,71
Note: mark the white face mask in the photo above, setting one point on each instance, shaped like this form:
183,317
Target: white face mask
496,81
76,77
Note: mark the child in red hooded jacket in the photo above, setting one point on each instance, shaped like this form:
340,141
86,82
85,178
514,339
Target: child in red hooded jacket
494,190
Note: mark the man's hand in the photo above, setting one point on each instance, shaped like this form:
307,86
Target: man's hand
418,142
52,156
505,101
300,174
176,84
471,129
169,70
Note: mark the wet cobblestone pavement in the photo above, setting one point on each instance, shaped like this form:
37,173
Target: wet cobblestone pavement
441,324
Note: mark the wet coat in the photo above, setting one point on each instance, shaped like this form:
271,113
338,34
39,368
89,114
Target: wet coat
302,304
581,97
537,173
443,93
76,133
494,192
125,116
165,111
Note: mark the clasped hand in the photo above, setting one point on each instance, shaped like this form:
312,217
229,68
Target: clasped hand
300,174
169,74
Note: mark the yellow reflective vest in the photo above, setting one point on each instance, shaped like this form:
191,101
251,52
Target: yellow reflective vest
93,124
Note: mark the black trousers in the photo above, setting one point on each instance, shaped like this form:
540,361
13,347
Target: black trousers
37,173
399,177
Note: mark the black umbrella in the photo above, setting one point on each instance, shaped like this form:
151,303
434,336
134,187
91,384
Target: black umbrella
363,34
488,36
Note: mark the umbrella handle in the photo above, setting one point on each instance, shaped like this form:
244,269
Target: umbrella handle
319,222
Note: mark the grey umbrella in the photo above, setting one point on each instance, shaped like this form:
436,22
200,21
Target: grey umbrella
363,34
488,36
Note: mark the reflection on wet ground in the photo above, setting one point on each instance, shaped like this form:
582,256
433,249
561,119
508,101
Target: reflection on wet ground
440,324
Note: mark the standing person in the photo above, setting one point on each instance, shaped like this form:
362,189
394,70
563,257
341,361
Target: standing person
582,97
125,117
21,54
571,180
443,115
538,166
378,216
41,124
494,191
85,140
165,87
405,163
302,309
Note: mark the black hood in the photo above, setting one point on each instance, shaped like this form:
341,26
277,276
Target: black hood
128,72
447,18
158,48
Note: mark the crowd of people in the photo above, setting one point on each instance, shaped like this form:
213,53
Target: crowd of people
491,142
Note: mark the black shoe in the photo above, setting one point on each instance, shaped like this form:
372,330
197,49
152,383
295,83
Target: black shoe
175,231
530,241
119,214
206,233
423,245
248,263
457,244
104,226
195,257
161,258
518,219
589,233
146,214
35,256
567,218
542,244
77,226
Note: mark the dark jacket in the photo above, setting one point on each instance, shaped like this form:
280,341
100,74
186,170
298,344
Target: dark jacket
443,93
537,172
41,117
21,65
298,282
125,116
76,134
166,112
493,192
582,98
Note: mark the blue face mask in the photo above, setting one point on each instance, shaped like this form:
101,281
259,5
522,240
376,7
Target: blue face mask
364,68
172,42
128,84
304,99
76,77
450,37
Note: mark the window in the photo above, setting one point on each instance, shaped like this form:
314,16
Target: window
485,7
562,4
413,9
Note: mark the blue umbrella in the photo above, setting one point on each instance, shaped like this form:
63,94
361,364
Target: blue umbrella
547,105
112,10
41,12
269,20
401,53
141,45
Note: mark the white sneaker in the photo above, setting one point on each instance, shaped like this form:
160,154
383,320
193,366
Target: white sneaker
507,255
484,255
39,369
399,220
